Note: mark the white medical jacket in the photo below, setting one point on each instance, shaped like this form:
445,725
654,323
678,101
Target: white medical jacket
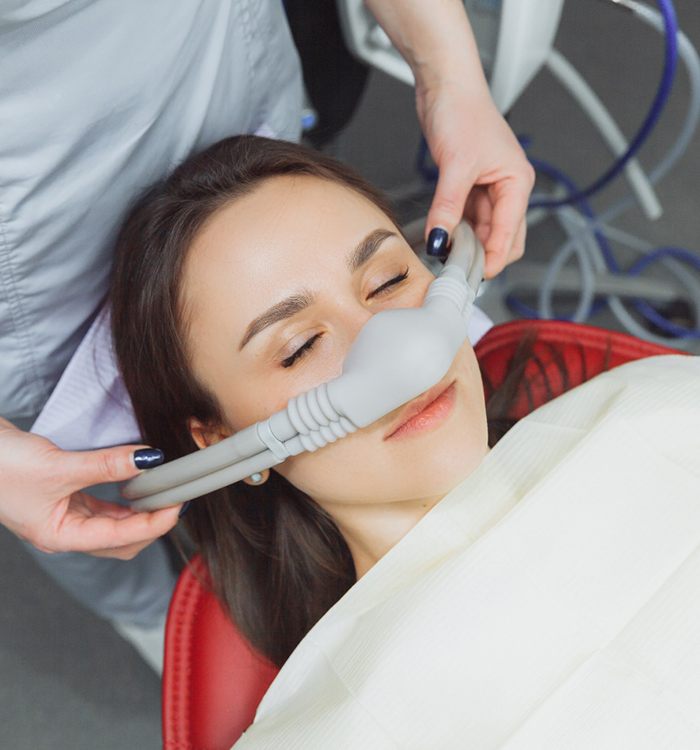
99,99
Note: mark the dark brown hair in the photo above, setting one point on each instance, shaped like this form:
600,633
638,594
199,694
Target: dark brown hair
277,560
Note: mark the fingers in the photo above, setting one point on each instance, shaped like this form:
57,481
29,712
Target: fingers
123,553
79,469
101,528
506,239
478,212
518,249
453,186
128,552
496,212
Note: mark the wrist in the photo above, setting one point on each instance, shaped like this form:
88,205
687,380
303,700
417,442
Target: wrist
450,69
449,93
437,83
435,39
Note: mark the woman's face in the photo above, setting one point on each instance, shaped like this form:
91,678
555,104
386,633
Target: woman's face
276,286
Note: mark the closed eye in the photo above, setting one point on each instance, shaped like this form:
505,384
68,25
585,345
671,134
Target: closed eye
289,361
308,345
386,285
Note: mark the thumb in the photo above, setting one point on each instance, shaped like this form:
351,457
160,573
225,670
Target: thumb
84,468
453,186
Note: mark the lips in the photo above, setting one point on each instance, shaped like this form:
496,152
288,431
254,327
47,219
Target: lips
416,406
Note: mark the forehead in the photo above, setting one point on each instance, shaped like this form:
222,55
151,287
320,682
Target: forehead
290,231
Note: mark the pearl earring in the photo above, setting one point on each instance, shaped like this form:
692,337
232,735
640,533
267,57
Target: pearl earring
256,478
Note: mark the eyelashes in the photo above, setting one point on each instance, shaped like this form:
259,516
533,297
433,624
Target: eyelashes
308,345
300,351
396,280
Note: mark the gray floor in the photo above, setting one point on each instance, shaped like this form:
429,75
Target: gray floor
68,681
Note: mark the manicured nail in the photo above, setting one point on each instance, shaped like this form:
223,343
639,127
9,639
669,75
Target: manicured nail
437,242
147,458
184,509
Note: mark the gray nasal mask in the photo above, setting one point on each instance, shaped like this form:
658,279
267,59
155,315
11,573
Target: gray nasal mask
397,356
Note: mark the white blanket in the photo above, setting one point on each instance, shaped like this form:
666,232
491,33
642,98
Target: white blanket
550,602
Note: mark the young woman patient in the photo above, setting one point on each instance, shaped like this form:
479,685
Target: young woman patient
242,281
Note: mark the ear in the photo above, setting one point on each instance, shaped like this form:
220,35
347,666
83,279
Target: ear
206,435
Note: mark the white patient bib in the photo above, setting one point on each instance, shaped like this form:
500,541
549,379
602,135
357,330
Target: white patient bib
550,602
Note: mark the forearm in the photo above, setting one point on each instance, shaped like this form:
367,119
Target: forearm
483,172
436,40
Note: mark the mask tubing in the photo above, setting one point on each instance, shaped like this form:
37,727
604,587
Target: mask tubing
203,485
398,355
242,445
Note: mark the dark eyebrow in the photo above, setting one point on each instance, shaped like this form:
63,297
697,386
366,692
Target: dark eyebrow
284,309
367,248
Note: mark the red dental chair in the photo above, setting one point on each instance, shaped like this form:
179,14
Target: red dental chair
212,679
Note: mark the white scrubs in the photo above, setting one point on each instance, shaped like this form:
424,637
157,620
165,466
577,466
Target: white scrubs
99,99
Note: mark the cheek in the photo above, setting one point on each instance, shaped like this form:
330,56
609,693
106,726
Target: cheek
324,474
242,409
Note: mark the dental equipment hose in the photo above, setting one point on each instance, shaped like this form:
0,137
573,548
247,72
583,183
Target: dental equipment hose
668,14
691,61
592,227
398,355
589,239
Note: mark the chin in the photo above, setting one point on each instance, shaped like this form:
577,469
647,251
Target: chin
442,474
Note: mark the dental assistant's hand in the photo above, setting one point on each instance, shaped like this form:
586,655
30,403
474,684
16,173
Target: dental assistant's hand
41,499
484,174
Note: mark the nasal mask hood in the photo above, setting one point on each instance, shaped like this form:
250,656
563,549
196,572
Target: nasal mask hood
398,355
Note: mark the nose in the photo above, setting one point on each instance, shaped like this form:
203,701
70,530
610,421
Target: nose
353,321
357,313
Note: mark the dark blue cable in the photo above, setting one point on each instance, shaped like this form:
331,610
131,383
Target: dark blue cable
642,307
680,253
663,92
645,308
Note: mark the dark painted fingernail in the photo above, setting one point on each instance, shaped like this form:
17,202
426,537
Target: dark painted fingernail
184,509
437,242
147,458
